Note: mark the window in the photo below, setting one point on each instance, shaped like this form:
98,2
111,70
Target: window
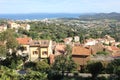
44,52
25,48
35,52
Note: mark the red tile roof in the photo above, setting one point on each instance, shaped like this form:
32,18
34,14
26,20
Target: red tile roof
114,48
60,48
24,41
79,50
117,54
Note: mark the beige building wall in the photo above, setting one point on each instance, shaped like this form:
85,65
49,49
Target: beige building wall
44,52
34,53
50,50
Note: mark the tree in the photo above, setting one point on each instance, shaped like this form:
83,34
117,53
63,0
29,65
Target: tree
117,71
62,65
114,68
42,66
34,75
10,39
13,65
8,74
3,50
94,68
68,49
12,61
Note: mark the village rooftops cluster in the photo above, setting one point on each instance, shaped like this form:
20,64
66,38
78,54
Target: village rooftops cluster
81,53
14,25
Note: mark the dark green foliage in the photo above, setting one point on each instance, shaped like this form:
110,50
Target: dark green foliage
102,53
34,75
113,66
61,65
52,31
10,39
23,31
118,46
117,71
30,65
43,30
13,65
8,74
12,61
3,50
95,68
42,66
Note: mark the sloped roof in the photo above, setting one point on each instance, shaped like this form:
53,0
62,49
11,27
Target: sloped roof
97,47
116,54
34,43
41,43
108,37
79,50
114,48
24,41
60,48
44,43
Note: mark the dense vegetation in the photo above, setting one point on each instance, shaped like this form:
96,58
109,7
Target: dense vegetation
42,70
58,31
97,16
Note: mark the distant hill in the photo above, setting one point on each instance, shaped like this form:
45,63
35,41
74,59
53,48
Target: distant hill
112,15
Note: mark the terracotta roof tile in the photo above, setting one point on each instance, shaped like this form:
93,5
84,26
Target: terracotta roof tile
24,41
79,50
60,47
114,48
117,54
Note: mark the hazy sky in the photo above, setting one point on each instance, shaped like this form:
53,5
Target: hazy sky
59,6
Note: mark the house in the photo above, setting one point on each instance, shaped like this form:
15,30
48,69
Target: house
3,28
97,48
45,48
112,49
24,45
115,51
34,50
60,48
68,40
25,26
108,40
13,25
40,49
80,55
90,42
76,38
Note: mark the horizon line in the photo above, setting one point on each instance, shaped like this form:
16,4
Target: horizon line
57,13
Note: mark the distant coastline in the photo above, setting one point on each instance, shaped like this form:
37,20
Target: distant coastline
38,16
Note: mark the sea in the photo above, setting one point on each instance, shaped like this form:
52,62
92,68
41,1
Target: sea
38,16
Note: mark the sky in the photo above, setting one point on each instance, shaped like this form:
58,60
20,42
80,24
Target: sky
58,6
